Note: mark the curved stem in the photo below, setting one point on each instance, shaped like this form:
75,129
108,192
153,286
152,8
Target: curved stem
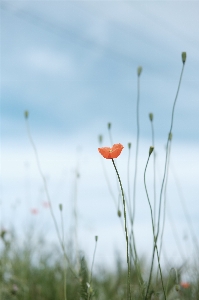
128,179
48,197
154,237
154,172
132,237
166,159
125,226
137,148
165,196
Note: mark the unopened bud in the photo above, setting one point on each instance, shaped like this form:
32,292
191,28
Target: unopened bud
151,150
26,114
151,117
139,71
119,213
109,125
100,138
184,57
129,145
96,238
60,207
177,287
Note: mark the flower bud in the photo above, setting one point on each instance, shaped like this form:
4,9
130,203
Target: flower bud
109,125
129,145
177,287
96,238
100,138
60,207
139,71
151,117
184,56
26,113
119,213
151,150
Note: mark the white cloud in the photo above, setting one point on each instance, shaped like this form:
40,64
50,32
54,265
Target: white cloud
50,62
96,211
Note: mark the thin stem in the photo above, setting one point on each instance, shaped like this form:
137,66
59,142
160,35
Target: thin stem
129,208
166,159
137,147
110,189
154,171
109,125
132,215
176,277
96,239
48,196
165,197
109,131
128,177
125,226
76,219
63,241
154,237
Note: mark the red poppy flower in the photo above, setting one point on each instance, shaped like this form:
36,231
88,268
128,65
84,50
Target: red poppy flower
110,153
34,211
185,285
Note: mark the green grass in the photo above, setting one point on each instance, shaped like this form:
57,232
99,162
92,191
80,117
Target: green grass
34,270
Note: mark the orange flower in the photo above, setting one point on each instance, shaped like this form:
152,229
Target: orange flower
185,285
110,153
34,211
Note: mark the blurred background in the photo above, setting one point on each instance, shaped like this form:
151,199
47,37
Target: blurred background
73,66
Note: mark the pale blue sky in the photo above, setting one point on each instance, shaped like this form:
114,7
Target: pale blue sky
73,65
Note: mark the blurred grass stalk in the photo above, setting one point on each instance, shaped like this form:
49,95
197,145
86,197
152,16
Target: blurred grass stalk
26,114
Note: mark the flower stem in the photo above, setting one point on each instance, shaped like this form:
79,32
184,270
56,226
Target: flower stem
125,225
48,197
154,237
167,150
137,148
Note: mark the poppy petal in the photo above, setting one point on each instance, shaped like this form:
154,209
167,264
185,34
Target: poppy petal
116,150
110,153
105,152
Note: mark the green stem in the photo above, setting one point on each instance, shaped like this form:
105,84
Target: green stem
128,179
167,146
132,237
165,198
96,238
49,199
63,241
154,173
125,226
137,147
154,237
